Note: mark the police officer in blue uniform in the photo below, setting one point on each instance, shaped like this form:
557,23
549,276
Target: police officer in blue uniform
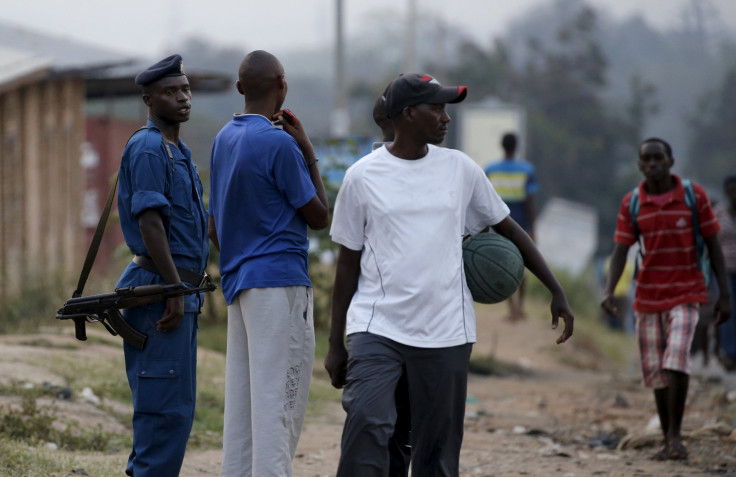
164,223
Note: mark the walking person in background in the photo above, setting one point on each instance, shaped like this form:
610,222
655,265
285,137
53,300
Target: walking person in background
266,190
515,182
726,213
164,223
669,285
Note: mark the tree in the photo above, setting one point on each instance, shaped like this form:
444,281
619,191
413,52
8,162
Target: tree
711,150
484,72
575,139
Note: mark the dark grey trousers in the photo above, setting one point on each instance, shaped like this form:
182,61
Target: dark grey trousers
437,381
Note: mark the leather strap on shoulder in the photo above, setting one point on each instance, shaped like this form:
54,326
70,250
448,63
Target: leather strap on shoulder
99,232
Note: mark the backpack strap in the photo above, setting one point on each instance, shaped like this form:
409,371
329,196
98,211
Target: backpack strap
702,261
634,213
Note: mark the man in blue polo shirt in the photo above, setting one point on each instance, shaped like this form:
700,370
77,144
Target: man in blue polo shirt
164,223
266,189
515,182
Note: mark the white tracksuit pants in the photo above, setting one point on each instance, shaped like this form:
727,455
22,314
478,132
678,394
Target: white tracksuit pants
270,354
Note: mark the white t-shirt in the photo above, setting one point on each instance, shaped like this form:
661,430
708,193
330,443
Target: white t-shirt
409,217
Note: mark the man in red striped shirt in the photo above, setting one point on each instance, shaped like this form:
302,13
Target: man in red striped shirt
669,285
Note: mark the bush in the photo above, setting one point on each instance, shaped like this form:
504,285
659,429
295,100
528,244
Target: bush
593,342
36,304
323,279
581,291
33,425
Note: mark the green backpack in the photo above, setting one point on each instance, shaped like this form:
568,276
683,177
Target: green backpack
701,257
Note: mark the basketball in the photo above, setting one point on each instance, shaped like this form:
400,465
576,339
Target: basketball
493,267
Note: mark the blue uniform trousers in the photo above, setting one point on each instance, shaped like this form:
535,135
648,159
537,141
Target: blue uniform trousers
162,378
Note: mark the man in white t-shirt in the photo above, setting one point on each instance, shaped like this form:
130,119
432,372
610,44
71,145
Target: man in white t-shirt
400,292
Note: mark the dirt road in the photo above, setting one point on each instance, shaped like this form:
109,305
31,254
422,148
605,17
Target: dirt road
556,420
564,412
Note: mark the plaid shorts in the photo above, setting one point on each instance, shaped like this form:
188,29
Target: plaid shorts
664,342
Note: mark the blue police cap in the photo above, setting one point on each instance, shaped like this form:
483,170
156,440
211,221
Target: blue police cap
169,66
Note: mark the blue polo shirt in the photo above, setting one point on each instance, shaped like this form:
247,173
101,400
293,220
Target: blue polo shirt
514,180
258,181
154,176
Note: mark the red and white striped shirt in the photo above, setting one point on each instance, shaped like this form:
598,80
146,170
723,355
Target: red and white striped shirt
668,275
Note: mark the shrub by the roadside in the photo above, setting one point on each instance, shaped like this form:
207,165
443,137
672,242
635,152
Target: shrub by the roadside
34,425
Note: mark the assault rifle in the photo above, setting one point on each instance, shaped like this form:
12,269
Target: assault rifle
106,308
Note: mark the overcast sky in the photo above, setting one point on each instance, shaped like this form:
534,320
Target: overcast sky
152,27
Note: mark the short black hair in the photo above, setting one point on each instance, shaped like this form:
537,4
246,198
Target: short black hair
728,181
667,147
508,142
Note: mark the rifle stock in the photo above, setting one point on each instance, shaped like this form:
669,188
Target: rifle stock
106,308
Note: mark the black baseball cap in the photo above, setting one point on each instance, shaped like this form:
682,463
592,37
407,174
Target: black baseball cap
412,89
169,66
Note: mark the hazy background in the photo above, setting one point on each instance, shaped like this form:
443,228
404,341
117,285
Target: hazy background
594,76
152,27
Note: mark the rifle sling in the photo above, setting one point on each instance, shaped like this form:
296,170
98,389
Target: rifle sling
95,245
188,276
99,231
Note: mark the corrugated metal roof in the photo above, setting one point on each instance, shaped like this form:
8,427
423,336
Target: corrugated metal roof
16,65
108,73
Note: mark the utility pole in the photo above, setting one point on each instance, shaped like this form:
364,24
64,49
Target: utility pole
410,33
339,118
440,57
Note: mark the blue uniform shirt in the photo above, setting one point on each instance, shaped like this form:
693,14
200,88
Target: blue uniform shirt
152,179
514,180
258,181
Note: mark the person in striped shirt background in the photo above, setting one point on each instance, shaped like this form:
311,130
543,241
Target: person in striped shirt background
669,285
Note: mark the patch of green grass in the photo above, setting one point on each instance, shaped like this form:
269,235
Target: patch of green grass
34,425
581,291
105,375
48,344
321,392
321,345
209,413
593,343
323,277
489,365
34,305
208,419
107,339
16,388
18,458
213,335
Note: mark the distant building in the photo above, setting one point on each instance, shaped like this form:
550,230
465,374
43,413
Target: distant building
56,163
481,126
567,235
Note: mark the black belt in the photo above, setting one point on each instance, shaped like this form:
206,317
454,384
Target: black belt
188,276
